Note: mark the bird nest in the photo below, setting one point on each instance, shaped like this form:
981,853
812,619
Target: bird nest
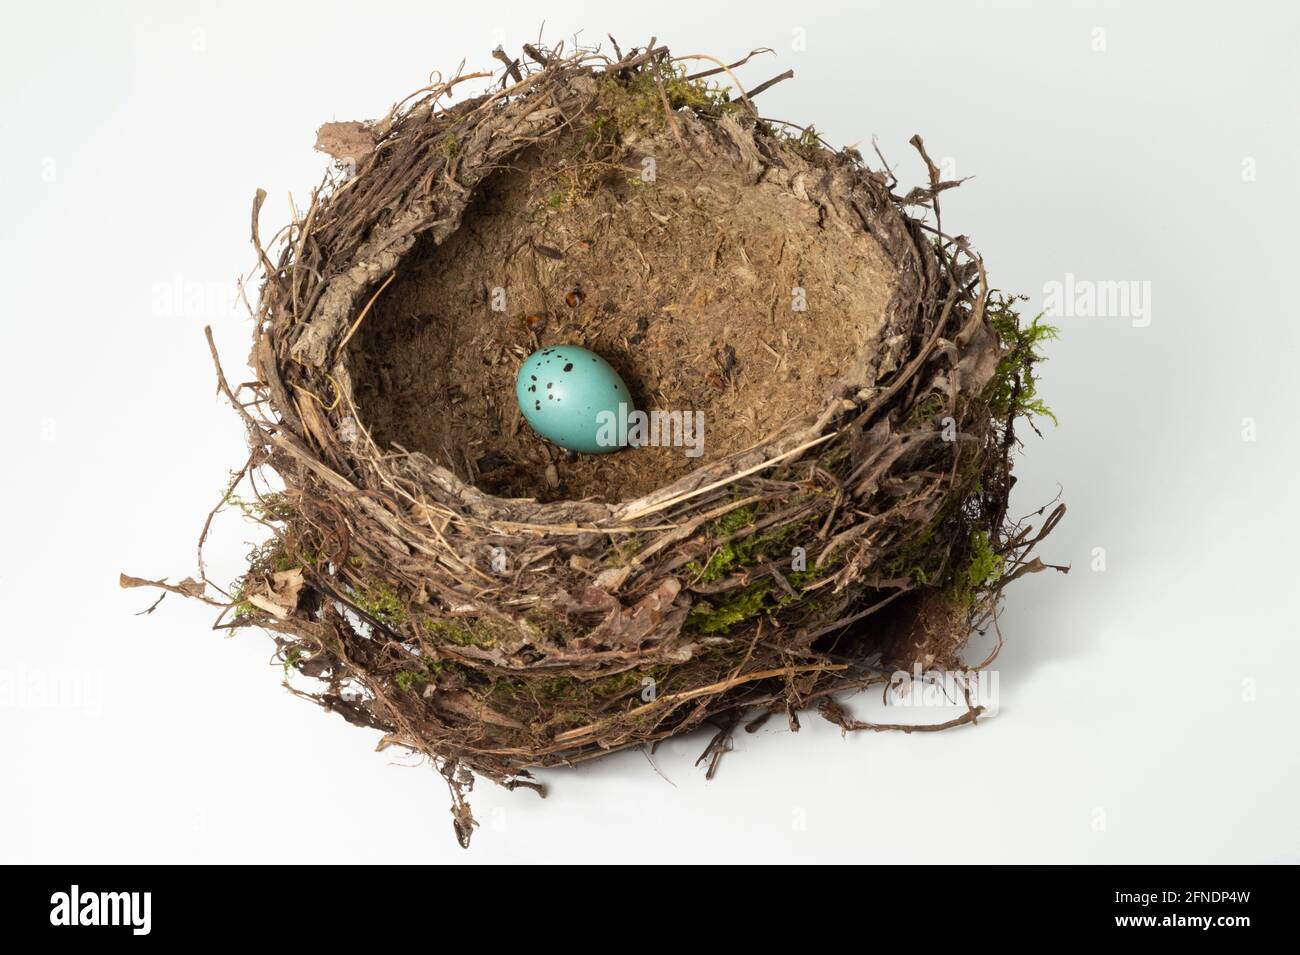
485,599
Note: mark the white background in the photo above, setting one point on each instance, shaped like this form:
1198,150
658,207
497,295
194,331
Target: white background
1148,711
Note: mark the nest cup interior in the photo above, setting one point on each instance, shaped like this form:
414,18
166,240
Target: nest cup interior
706,291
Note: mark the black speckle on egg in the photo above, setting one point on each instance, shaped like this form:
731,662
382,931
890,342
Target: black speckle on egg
569,367
537,406
550,397
548,385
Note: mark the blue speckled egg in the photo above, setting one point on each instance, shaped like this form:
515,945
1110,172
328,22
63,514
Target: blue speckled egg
563,391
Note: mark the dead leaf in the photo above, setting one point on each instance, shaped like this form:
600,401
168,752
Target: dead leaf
658,615
980,361
346,142
585,600
281,596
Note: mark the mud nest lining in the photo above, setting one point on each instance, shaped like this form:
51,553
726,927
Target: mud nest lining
446,577
692,282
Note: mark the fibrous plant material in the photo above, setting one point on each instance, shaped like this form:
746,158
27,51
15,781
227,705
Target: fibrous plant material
497,606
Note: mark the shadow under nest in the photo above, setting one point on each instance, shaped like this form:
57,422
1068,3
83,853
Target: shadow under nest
489,602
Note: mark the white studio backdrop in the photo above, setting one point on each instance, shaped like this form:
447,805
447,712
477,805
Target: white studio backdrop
1147,700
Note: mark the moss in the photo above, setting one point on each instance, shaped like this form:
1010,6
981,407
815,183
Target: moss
292,657
805,143
730,554
811,609
748,603
623,551
380,601
721,561
522,695
503,691
1014,389
698,95
972,574
290,559
601,131
408,680
627,103
732,521
919,574
836,454
799,579
449,146
241,609
474,633
551,626
555,688
272,507
761,596
275,507
636,101
918,557
764,597
745,551
616,684
985,566
927,409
